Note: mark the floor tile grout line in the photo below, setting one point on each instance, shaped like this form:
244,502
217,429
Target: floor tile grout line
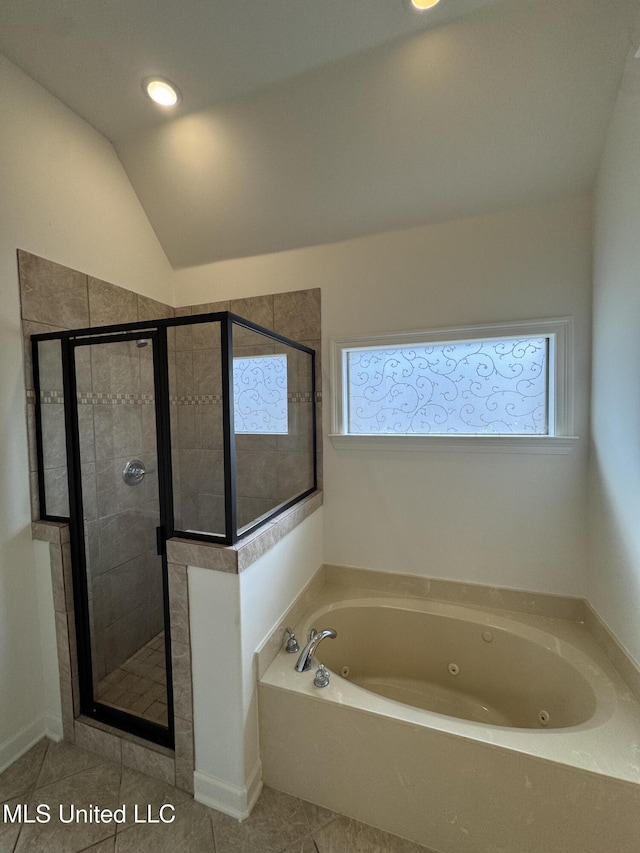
213,831
28,793
309,835
120,800
95,843
44,758
77,772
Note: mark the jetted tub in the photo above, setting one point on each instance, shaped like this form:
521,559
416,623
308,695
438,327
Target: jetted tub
459,727
459,663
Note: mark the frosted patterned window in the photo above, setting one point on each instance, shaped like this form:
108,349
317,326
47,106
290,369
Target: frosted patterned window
462,388
260,394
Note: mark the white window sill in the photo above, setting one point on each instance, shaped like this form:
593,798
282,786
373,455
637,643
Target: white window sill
551,444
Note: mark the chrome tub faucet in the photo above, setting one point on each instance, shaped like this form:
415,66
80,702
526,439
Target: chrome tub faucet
305,661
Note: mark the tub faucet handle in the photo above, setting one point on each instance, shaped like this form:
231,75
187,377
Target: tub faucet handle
322,676
292,646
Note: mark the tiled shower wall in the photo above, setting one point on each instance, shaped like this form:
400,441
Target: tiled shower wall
118,424
270,468
116,420
195,384
54,298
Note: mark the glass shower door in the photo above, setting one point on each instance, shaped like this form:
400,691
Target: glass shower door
119,509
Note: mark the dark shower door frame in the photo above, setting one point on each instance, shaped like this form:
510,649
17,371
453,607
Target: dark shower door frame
89,706
156,331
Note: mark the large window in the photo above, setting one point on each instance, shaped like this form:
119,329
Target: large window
500,380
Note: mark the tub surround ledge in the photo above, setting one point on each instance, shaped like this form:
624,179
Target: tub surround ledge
511,601
54,532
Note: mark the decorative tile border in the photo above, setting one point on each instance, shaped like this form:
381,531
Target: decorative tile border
93,398
194,399
90,398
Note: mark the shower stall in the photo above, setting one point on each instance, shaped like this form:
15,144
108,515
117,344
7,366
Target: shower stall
201,427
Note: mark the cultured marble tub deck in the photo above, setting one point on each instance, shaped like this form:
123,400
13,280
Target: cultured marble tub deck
61,774
451,784
608,743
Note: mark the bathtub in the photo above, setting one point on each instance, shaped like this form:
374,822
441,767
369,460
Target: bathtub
462,663
459,727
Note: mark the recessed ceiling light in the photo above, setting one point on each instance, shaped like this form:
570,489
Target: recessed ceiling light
161,91
423,5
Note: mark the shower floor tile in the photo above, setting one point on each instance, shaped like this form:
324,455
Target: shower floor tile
59,775
139,685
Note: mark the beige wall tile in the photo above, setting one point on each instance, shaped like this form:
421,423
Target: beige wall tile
179,603
256,544
207,367
149,762
205,555
295,474
185,764
109,304
51,293
49,531
98,741
182,691
151,309
31,328
207,308
257,474
296,314
34,496
207,336
258,309
57,578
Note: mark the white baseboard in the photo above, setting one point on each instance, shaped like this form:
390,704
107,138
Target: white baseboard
15,747
229,799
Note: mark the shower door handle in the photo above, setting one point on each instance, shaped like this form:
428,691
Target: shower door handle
161,541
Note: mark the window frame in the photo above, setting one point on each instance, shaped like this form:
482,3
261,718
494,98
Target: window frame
560,437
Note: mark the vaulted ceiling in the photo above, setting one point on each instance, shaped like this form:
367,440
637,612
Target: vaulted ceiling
308,122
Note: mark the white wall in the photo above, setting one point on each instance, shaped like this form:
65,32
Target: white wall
48,644
614,566
230,616
267,590
514,520
65,197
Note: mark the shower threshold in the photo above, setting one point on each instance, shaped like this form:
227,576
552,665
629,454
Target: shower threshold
139,685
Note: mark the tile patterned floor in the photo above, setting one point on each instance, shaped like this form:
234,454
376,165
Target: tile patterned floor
139,685
59,775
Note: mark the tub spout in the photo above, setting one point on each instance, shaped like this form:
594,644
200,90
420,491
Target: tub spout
305,661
